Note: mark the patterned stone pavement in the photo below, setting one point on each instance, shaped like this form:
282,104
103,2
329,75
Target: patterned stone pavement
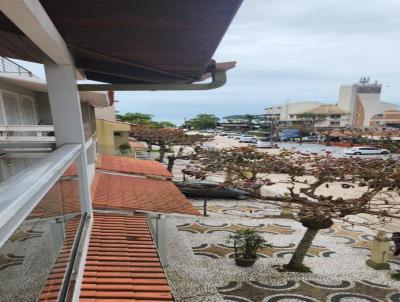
308,291
232,228
223,251
201,267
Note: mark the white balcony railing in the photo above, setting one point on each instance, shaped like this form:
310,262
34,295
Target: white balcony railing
27,134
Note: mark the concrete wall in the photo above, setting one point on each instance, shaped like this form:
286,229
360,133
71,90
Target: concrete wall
274,110
297,108
371,108
106,113
107,142
346,99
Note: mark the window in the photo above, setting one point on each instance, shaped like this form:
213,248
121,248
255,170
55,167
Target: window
10,103
117,133
335,123
17,109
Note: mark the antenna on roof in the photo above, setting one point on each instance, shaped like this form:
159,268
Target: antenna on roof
364,80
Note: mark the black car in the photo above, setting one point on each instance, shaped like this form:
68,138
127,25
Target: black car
209,189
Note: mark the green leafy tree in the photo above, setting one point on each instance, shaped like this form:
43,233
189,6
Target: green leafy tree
136,118
202,121
249,118
144,119
166,124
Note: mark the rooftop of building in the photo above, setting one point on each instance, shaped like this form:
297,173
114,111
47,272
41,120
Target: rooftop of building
328,109
130,165
124,192
122,262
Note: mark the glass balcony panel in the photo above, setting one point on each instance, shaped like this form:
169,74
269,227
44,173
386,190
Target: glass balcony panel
35,259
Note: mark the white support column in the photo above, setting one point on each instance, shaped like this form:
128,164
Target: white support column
158,227
161,226
67,119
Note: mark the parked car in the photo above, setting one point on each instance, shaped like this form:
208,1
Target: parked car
289,134
264,143
237,137
312,138
366,151
209,189
248,139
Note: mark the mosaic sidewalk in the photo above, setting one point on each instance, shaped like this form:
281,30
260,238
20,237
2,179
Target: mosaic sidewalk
308,291
202,266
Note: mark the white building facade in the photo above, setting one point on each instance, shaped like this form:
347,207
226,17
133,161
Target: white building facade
357,104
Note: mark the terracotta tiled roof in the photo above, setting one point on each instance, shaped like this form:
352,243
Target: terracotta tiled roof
122,262
131,166
72,170
137,145
328,109
52,288
128,192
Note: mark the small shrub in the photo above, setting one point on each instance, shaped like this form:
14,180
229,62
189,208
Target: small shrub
247,243
124,147
396,276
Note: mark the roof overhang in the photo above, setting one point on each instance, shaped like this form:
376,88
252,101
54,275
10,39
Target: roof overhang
38,85
120,42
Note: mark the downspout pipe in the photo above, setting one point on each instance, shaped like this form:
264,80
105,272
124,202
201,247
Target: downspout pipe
218,80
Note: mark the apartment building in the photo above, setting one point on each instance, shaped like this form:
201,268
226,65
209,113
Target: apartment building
66,233
26,122
356,106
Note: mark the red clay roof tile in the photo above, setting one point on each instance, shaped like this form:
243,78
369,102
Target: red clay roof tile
141,194
132,166
122,264
137,145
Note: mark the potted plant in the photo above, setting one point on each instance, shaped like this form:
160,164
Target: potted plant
246,244
123,148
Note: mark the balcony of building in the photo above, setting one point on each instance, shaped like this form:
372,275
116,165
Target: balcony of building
26,124
65,231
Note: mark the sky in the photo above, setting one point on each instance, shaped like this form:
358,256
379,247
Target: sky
288,50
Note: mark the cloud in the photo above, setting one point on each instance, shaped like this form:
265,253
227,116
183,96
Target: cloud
291,49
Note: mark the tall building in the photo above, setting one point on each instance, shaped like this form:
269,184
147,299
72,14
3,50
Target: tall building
358,106
362,100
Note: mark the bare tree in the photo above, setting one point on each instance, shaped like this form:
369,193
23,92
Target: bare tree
307,175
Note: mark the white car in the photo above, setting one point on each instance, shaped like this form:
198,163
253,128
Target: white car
366,151
263,143
248,139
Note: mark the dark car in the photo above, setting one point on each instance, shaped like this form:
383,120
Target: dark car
209,189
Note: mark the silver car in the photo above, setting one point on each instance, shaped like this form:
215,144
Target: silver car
366,151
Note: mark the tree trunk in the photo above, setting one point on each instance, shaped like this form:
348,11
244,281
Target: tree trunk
297,259
171,161
162,153
328,140
205,207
